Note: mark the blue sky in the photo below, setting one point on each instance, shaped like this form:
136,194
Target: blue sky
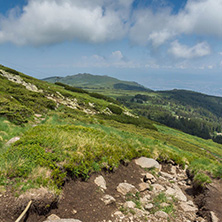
162,44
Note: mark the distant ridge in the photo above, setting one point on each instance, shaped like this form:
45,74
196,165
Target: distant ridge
89,81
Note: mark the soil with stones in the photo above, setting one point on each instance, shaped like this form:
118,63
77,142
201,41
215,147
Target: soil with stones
82,200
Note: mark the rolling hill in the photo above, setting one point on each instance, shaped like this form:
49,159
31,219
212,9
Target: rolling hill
192,112
89,81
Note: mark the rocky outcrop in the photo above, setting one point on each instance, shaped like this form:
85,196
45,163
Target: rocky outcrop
17,79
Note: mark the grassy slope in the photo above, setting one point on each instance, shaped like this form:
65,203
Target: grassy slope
69,142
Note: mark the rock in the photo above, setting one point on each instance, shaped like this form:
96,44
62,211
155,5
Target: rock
213,217
100,181
188,182
139,213
188,208
53,217
125,188
161,214
63,220
164,204
166,175
200,219
158,188
177,192
143,187
144,200
107,199
74,211
129,204
119,214
145,162
148,206
173,170
149,177
12,140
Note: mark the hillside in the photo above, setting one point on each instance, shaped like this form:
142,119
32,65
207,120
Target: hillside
89,81
54,135
194,113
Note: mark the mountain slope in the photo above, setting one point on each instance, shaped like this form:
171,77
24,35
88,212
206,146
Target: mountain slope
95,81
66,134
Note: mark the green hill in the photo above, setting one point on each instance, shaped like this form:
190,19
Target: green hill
66,134
89,81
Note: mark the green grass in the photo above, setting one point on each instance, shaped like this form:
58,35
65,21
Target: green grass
71,143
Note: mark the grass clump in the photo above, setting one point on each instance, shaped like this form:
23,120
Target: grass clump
161,202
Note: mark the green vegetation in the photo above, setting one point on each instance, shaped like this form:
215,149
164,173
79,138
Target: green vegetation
161,202
88,81
191,112
74,137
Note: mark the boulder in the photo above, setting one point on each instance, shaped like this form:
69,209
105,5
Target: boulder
149,177
125,188
213,217
100,181
148,206
145,162
12,140
177,192
166,175
143,187
187,207
161,214
158,188
129,204
107,199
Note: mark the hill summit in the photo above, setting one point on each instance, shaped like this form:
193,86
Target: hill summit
89,81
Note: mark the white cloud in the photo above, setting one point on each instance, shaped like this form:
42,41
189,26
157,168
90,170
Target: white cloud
52,21
182,51
115,59
201,17
117,55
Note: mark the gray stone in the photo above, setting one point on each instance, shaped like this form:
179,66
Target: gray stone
129,204
188,208
166,175
143,187
144,200
145,162
100,181
173,170
125,188
149,177
53,217
148,206
158,188
107,199
12,140
176,192
213,217
161,214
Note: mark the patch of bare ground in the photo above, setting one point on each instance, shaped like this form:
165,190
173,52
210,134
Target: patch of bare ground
210,200
82,200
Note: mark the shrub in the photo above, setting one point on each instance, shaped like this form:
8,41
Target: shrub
115,109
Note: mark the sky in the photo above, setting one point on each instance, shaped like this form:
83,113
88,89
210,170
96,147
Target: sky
161,44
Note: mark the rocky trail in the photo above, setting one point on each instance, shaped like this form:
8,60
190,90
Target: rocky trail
142,190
